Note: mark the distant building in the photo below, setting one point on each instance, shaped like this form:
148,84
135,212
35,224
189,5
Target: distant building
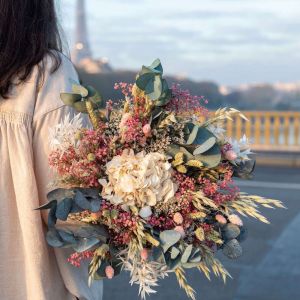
82,54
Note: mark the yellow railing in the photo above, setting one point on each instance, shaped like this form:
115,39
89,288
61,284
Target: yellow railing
268,130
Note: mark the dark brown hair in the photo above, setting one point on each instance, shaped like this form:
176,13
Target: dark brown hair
28,32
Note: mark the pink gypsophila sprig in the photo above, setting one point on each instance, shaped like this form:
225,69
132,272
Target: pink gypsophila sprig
182,102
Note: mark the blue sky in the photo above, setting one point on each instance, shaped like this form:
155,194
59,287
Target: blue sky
228,41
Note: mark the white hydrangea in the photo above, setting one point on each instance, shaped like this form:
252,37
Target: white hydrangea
138,179
63,135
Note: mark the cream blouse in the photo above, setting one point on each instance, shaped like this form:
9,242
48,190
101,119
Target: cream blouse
29,269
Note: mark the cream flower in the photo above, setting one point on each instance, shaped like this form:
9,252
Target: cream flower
138,179
63,135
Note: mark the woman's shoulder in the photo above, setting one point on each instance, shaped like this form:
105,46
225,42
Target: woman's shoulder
55,81
35,97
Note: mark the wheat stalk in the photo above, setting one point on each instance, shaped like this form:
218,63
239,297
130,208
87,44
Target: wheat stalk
180,275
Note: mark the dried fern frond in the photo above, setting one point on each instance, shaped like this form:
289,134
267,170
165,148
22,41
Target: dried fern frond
182,281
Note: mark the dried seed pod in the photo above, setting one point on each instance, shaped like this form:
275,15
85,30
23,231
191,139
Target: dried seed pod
232,249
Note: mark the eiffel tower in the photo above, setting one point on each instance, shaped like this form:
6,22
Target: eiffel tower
82,48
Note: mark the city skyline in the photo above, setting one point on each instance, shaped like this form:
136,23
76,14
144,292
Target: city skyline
224,41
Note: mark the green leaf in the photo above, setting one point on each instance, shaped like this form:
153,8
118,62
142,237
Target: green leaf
69,99
173,263
86,244
54,239
67,237
186,254
174,252
63,209
210,158
190,265
169,238
193,135
60,194
143,80
80,107
155,89
94,97
47,205
80,89
208,144
81,201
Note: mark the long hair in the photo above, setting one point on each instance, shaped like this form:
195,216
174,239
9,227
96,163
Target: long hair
28,32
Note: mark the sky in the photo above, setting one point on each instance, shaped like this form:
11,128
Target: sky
230,42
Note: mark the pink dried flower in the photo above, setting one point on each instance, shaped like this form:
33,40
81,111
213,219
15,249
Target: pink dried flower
236,220
76,258
230,155
147,130
178,219
144,254
221,219
180,230
183,102
109,272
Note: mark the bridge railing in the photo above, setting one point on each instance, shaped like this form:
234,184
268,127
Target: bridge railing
268,130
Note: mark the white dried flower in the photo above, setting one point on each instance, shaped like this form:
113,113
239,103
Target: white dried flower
236,220
138,179
63,135
143,272
241,148
217,131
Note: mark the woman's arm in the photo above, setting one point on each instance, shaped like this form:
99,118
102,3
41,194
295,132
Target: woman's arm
49,111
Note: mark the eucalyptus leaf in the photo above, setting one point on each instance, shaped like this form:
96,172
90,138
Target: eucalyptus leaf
186,254
169,238
81,200
190,265
174,252
63,209
173,263
52,217
60,194
210,158
193,135
80,89
69,99
54,239
67,237
80,107
85,244
47,205
208,144
95,205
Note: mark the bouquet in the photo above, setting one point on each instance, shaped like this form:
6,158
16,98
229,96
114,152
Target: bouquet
149,189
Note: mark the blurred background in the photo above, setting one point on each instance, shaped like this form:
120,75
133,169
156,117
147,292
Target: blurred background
243,54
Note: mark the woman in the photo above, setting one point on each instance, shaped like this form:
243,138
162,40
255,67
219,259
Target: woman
33,72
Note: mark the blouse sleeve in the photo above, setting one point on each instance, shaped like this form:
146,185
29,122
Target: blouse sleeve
75,279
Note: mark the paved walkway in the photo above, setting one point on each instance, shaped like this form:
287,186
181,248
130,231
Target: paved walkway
275,269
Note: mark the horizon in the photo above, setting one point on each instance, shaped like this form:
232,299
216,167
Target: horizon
220,41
